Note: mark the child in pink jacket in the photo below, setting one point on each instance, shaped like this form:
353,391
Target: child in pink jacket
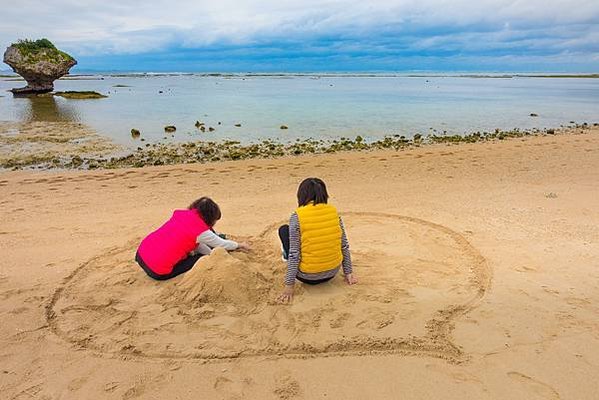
175,247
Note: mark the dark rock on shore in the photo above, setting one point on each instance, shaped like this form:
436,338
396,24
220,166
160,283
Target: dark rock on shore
39,62
284,127
534,115
210,129
170,128
238,125
135,133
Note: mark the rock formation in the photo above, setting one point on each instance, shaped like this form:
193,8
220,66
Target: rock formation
80,95
39,62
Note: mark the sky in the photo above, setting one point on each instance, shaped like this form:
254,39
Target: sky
313,35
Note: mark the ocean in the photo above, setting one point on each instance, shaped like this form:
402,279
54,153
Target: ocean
311,106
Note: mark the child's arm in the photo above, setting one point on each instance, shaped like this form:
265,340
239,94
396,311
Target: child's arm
347,264
202,249
293,259
212,240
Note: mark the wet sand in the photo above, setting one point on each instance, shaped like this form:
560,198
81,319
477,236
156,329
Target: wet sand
50,144
477,267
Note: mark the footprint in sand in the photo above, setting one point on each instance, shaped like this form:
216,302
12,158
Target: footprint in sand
576,301
223,307
232,388
286,387
541,389
77,384
338,321
111,387
31,392
18,310
526,268
142,385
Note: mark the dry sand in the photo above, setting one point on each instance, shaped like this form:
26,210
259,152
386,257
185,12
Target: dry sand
478,268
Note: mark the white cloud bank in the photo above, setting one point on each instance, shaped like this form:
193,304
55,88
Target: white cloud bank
95,27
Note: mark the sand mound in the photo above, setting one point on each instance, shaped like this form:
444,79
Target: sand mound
220,278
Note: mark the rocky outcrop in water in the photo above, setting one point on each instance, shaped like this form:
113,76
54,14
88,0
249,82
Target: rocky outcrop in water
80,95
39,62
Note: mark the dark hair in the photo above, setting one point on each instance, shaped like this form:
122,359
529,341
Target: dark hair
312,190
208,210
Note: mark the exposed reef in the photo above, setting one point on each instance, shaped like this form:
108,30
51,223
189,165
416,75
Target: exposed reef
210,151
80,95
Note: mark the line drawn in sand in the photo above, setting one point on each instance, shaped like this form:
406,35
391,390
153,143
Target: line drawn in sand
416,278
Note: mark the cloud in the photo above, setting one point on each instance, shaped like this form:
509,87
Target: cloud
373,32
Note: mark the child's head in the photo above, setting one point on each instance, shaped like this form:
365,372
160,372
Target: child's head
312,190
208,210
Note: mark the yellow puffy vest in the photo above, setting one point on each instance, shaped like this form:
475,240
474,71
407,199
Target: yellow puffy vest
320,236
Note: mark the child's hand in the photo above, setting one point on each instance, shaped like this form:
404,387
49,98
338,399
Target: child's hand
243,246
351,279
287,295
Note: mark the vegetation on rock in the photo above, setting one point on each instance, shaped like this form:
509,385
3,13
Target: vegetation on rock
80,95
40,50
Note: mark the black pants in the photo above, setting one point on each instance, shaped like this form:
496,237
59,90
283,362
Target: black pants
284,236
182,266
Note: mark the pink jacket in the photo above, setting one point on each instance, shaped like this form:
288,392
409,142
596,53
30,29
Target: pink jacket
172,242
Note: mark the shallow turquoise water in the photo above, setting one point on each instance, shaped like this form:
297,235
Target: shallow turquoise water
311,106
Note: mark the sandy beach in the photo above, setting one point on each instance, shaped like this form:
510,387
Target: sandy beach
477,266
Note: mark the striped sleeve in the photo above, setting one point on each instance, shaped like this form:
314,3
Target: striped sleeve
294,250
347,265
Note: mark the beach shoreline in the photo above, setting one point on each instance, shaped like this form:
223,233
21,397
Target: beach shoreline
417,222
67,145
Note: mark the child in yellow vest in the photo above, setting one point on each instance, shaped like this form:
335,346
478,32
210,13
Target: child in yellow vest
314,243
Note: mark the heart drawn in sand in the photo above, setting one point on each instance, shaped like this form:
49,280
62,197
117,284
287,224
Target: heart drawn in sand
416,278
